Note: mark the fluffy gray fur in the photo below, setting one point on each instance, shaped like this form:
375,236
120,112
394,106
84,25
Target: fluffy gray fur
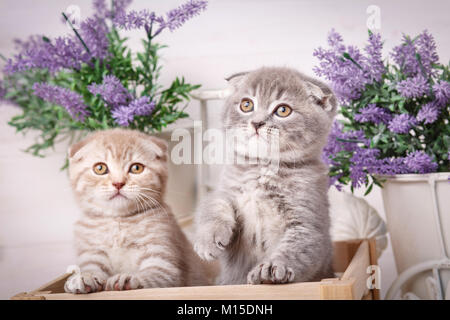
273,228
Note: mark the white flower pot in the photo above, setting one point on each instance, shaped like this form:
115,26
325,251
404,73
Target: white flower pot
417,210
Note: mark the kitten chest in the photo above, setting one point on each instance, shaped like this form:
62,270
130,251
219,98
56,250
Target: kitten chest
262,225
119,245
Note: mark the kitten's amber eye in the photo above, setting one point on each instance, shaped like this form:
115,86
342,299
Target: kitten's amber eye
136,168
246,105
100,168
283,111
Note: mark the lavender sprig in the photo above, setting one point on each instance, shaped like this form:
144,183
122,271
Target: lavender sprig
2,90
173,19
373,114
71,101
429,113
413,87
112,91
402,123
124,115
441,92
37,53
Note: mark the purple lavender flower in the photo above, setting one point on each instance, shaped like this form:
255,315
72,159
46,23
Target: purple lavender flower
413,87
94,34
420,162
134,19
175,18
426,48
441,91
64,52
348,78
365,161
335,41
428,113
390,166
334,181
112,91
338,141
362,161
405,56
100,9
374,62
103,10
374,114
2,90
71,101
402,123
142,106
124,115
120,6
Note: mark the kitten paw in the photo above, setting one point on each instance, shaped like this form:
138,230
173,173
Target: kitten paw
211,242
84,283
120,282
271,272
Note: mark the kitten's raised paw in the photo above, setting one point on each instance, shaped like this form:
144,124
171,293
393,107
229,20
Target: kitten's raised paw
271,272
123,281
83,283
211,242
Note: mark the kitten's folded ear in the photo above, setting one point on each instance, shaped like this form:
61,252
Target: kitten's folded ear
322,95
236,79
159,146
73,149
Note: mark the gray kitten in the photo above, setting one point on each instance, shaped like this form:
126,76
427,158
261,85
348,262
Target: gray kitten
266,225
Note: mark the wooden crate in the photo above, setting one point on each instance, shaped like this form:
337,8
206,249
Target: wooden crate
351,259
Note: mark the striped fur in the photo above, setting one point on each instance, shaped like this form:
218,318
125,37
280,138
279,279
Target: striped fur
266,225
133,242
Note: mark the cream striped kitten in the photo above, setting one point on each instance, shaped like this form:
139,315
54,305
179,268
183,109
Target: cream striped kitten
127,237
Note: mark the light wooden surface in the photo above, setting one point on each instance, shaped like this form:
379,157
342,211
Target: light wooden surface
307,290
356,271
352,285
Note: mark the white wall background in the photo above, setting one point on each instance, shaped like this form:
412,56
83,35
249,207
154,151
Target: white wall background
36,205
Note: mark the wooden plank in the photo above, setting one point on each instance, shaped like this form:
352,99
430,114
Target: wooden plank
27,296
56,285
357,271
352,285
337,289
374,262
294,291
343,252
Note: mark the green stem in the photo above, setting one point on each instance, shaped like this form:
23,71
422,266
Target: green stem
347,56
76,32
148,48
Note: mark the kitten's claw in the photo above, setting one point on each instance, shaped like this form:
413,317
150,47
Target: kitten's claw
120,282
211,242
83,283
271,272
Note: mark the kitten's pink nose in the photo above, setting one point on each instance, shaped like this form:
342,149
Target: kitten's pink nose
118,185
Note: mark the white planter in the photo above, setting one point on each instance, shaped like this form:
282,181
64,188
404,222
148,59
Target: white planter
418,219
